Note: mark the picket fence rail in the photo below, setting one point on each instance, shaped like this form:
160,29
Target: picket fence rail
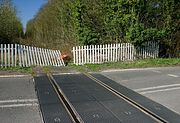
12,55
97,54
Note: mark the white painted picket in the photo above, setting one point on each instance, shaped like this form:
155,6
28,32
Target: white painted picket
12,55
97,54
148,50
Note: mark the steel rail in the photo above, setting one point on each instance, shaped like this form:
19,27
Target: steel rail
127,99
68,106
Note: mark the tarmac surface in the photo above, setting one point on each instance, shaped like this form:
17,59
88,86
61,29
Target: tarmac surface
18,100
159,84
95,104
52,108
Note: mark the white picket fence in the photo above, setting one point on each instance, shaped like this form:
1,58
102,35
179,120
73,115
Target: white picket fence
96,54
148,50
12,55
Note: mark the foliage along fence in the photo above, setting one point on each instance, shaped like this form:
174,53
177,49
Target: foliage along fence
12,55
96,54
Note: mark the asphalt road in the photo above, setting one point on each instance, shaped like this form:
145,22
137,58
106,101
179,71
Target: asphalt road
18,101
159,84
95,104
52,108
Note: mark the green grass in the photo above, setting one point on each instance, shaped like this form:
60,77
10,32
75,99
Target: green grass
99,67
47,69
26,70
125,65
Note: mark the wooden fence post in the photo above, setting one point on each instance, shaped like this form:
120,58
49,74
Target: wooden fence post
74,56
118,52
42,57
77,56
95,53
15,57
9,59
62,61
12,55
113,52
34,55
57,57
85,54
5,55
82,55
104,53
28,57
31,57
49,56
88,53
46,57
2,59
52,61
98,54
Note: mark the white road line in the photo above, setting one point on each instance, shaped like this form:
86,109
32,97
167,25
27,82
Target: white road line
18,100
135,69
121,70
169,89
66,73
13,76
172,75
157,87
18,105
156,71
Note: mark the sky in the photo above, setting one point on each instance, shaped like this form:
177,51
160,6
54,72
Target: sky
26,9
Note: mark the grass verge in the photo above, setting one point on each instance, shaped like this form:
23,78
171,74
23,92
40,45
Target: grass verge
47,69
26,70
145,63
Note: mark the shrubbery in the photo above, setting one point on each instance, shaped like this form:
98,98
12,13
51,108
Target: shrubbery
11,28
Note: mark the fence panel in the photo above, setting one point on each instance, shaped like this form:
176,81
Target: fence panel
96,54
12,55
148,50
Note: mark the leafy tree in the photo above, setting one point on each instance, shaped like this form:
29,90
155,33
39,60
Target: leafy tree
61,23
51,27
10,26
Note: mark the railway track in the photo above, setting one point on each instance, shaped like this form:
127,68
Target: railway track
90,98
68,106
127,99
